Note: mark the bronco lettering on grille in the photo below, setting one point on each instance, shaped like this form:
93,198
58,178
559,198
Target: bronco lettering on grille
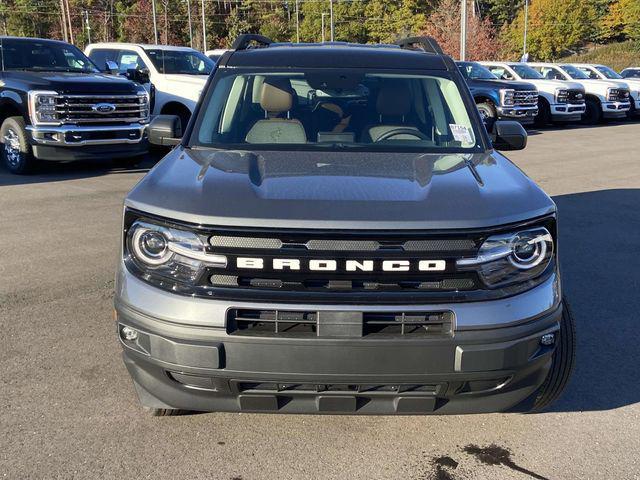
330,265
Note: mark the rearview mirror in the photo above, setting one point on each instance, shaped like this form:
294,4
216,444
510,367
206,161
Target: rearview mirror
508,135
111,67
165,130
138,75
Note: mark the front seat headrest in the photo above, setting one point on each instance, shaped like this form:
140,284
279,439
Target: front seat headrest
276,96
393,101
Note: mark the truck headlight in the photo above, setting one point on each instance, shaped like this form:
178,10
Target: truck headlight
165,253
507,97
42,107
143,99
562,95
511,258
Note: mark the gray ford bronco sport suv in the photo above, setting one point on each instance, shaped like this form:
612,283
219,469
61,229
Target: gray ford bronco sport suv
335,233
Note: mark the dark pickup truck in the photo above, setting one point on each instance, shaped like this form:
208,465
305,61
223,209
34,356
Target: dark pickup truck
500,99
56,105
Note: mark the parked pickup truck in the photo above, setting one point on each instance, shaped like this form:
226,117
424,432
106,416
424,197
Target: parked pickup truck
500,99
176,74
605,99
328,237
56,105
602,72
558,102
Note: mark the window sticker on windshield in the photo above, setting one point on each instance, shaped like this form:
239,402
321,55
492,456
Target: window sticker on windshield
461,133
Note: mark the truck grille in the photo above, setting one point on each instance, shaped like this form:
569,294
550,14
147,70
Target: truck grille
101,109
525,98
288,323
618,95
571,96
342,280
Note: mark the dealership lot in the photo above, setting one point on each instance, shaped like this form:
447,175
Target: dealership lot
68,409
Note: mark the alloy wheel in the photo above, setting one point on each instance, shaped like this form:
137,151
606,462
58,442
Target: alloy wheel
12,152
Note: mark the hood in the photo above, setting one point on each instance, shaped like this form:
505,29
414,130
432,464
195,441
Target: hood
551,84
343,190
593,83
75,83
497,83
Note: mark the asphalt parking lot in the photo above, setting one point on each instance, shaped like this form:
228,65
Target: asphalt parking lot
68,408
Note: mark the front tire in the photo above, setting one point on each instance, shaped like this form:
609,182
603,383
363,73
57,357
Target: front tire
593,113
488,114
544,113
16,151
162,412
563,361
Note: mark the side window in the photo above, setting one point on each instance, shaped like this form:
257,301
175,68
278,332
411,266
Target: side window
128,59
550,73
500,72
100,57
593,75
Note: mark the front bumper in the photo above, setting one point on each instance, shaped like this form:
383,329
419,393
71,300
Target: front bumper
567,112
524,115
615,109
73,142
193,365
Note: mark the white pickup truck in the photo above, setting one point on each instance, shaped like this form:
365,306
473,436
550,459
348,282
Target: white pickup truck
605,99
558,101
177,74
602,72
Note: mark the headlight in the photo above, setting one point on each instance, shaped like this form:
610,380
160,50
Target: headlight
507,96
562,95
143,99
511,258
164,253
42,107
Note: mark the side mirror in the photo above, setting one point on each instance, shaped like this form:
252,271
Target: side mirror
508,135
139,76
165,130
111,67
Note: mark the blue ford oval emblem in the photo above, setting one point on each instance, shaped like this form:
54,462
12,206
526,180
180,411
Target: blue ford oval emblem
104,107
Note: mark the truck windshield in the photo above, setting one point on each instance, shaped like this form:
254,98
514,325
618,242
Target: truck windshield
574,72
526,72
475,71
35,55
607,72
180,62
334,109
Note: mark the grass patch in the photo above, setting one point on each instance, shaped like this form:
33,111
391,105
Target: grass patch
615,55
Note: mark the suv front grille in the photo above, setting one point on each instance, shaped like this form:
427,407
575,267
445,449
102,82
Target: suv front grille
523,98
102,109
308,324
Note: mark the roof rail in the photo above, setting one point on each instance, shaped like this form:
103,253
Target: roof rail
428,44
244,41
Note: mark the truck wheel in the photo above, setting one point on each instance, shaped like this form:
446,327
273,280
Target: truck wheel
544,113
562,364
593,114
16,151
488,114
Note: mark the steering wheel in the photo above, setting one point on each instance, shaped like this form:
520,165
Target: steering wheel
401,131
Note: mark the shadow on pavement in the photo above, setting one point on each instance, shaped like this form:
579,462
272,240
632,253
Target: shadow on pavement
600,260
58,171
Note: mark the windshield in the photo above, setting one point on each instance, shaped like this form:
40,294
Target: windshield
608,73
526,72
574,73
631,73
334,109
33,55
475,71
180,62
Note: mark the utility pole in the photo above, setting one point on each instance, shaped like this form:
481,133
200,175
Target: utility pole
64,21
66,2
331,19
155,26
204,30
463,30
526,23
190,26
86,21
298,21
323,15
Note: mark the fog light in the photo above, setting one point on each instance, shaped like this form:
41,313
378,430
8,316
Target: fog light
129,333
548,339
